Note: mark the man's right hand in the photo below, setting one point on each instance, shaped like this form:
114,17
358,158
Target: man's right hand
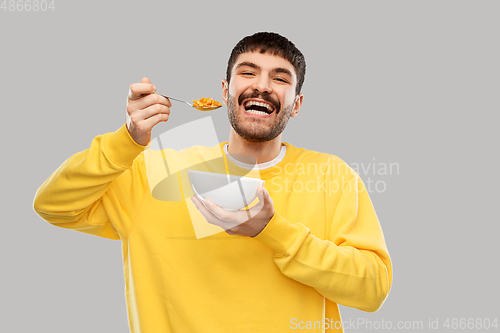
145,109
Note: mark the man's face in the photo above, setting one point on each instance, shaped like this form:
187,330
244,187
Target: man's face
261,96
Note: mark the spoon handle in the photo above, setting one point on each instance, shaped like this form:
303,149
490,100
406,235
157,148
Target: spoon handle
178,100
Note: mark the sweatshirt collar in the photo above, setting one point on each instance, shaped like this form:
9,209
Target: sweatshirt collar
276,166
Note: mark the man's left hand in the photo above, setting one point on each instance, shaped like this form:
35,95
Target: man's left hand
249,222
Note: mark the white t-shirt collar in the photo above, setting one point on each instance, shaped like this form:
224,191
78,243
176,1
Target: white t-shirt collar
260,166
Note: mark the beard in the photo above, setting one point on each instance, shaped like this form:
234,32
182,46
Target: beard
253,131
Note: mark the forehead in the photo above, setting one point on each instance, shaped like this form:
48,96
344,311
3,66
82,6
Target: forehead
266,61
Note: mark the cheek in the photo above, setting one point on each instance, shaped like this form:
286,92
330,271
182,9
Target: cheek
289,99
233,93
239,86
234,85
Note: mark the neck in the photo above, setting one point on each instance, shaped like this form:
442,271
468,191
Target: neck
262,152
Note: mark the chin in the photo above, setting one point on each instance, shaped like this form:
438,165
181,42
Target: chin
253,137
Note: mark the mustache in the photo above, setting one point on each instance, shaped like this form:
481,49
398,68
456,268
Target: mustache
265,96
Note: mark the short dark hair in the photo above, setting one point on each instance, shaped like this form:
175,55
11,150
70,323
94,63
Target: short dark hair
274,44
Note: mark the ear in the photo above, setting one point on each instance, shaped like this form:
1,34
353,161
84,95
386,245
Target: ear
225,89
298,103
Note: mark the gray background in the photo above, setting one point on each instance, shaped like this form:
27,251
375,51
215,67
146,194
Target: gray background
409,82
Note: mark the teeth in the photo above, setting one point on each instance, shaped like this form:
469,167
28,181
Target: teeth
265,105
257,112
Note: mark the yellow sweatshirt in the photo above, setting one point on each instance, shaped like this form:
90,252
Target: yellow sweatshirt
324,246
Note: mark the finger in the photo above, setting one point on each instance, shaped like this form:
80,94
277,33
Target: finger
267,197
209,216
145,80
265,200
260,195
138,90
151,111
146,119
148,124
236,218
268,203
220,212
216,210
151,99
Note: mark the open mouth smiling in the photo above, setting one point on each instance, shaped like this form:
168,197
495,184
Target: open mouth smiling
258,108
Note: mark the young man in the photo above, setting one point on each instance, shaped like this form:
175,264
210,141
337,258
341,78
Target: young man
313,241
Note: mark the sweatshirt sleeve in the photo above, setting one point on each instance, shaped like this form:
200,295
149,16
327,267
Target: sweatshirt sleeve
352,267
87,192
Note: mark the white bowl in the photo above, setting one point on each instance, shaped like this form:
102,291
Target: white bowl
227,191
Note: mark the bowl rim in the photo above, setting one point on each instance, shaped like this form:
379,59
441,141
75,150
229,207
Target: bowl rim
251,179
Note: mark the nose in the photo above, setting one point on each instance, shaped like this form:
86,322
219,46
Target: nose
262,84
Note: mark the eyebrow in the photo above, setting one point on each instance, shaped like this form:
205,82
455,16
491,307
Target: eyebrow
246,63
251,64
283,70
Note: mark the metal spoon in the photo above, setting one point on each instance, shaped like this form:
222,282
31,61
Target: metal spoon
208,108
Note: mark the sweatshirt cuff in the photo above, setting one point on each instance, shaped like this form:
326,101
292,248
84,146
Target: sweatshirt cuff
121,148
279,234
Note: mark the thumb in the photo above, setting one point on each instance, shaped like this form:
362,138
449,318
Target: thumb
262,194
145,80
267,197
